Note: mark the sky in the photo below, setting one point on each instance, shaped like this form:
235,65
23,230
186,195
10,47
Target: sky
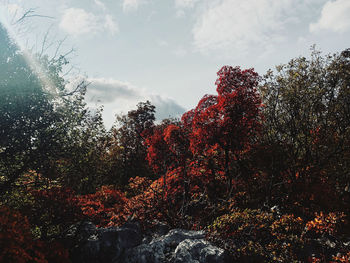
168,51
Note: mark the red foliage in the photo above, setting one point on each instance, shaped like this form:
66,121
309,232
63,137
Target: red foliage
53,210
158,153
106,207
17,243
15,237
230,119
194,157
231,78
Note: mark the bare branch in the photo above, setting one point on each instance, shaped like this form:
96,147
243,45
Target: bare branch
30,13
59,46
81,86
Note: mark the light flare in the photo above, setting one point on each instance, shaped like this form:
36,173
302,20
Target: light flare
9,15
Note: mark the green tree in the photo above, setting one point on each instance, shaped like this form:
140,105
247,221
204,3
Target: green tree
43,126
26,115
127,149
307,126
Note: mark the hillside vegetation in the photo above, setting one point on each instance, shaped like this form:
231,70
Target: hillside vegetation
262,165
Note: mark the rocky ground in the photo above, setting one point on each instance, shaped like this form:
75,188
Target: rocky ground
127,244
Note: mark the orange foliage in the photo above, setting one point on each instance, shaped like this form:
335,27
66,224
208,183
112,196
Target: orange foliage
325,223
342,258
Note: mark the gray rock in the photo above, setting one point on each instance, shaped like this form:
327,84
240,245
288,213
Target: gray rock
126,245
175,236
104,244
145,253
198,251
176,246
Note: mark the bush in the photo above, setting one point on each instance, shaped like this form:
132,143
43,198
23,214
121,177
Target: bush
257,236
106,207
17,243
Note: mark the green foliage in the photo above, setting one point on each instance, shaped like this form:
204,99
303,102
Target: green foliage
43,126
27,117
306,128
126,150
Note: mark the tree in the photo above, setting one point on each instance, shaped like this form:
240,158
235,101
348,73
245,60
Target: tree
27,116
43,125
226,125
127,151
306,128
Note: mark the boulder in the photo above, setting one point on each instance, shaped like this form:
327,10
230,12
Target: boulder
95,245
176,246
126,245
195,251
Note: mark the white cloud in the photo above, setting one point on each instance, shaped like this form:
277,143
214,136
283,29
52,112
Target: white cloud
15,9
335,16
131,5
181,5
110,25
120,97
10,12
109,90
185,3
239,26
166,107
77,21
100,4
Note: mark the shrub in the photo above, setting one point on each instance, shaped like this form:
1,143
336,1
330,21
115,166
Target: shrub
106,207
257,236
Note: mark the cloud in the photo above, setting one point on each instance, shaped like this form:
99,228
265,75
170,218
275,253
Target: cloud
15,10
120,97
131,5
185,3
109,90
77,21
181,5
10,13
335,16
100,4
111,25
239,26
166,107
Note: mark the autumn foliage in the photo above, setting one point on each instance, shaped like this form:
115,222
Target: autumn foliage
17,243
106,207
262,166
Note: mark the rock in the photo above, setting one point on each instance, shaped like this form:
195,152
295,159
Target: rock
114,241
160,229
145,253
176,246
104,244
175,236
124,245
194,251
89,252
